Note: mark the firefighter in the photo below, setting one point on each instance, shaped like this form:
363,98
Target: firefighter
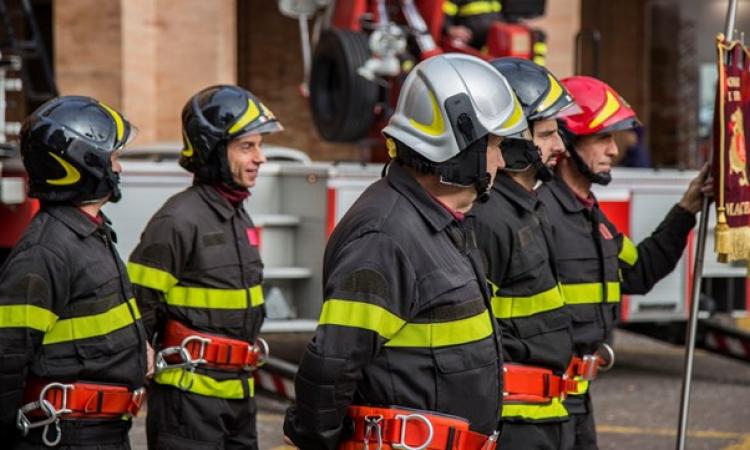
405,339
469,21
72,345
596,262
197,274
515,238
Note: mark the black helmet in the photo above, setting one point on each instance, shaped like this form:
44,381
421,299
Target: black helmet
542,97
66,145
213,117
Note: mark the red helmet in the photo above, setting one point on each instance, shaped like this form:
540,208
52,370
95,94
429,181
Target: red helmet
602,109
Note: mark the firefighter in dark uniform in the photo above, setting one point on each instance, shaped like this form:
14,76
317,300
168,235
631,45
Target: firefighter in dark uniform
469,21
515,237
406,350
72,346
596,262
197,275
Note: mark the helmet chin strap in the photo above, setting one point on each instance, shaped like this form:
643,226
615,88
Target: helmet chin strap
602,178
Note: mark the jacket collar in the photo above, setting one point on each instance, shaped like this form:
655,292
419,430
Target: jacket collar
565,195
73,218
216,201
433,213
516,193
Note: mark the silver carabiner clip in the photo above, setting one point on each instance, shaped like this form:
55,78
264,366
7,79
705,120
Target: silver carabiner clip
373,423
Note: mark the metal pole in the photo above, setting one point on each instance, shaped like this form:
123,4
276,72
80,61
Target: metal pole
697,278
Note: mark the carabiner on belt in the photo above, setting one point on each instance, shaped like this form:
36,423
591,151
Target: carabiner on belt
25,424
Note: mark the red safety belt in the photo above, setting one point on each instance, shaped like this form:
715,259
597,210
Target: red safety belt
213,350
395,428
530,384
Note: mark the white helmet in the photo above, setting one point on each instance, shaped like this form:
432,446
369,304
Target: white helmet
447,107
437,91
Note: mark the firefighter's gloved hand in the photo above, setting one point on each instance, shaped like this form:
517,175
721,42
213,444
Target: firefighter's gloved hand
702,185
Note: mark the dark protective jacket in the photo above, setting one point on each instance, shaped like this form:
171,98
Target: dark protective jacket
597,264
196,263
515,237
66,309
405,320
476,15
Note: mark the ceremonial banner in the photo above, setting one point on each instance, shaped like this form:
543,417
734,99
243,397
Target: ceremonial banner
730,164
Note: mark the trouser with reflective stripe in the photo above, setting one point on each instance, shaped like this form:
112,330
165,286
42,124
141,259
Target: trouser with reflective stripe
179,420
535,436
581,427
80,435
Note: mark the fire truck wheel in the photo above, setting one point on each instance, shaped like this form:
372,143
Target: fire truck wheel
342,102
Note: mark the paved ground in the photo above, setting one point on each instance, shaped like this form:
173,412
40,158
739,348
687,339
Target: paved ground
637,404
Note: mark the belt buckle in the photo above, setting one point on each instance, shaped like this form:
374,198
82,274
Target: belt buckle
201,359
589,367
260,348
136,401
25,424
373,422
405,419
491,441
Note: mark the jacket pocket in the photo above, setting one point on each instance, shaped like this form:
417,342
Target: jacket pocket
468,382
547,338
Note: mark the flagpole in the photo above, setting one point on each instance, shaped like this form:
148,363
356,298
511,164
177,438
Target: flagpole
697,279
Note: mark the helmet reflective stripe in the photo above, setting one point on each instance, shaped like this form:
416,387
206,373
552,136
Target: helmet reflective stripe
437,126
610,108
118,121
72,175
188,151
515,119
555,91
251,113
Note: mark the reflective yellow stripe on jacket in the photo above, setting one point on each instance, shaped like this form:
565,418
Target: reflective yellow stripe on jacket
199,297
27,316
504,307
581,293
84,327
629,252
479,7
524,411
204,385
191,296
150,277
400,333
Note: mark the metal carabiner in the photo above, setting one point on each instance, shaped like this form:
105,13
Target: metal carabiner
53,415
607,356
160,361
373,423
58,431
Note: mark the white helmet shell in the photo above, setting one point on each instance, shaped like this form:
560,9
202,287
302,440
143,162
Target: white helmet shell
421,120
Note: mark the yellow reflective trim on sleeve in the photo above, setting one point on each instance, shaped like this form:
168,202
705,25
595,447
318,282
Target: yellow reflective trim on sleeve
251,113
94,325
610,108
27,316
442,334
480,7
150,277
204,385
514,307
450,8
526,411
539,60
629,252
437,127
349,313
583,386
581,293
213,298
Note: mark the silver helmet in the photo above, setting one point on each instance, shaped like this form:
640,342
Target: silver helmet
437,91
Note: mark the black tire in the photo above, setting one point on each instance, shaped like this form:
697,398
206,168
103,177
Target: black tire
342,102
